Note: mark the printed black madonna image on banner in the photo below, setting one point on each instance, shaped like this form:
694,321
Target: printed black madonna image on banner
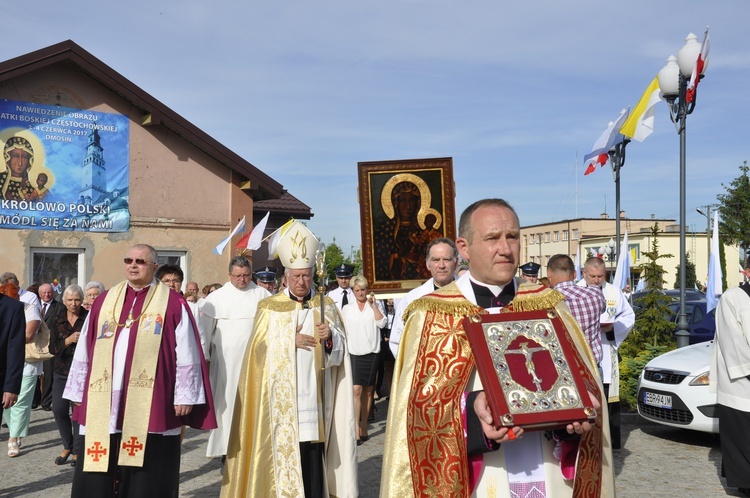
63,169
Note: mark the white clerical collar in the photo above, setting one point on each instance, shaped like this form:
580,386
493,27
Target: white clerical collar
495,289
295,298
144,287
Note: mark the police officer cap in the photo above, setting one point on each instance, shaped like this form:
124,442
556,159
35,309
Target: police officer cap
266,274
344,270
531,269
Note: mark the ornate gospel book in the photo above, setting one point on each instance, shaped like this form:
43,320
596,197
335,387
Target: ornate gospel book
532,372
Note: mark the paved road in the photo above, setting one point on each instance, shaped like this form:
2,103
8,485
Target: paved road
655,461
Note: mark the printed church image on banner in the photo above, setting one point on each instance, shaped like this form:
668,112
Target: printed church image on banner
115,215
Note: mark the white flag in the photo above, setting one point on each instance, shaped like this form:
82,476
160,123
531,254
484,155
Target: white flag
713,287
238,229
252,240
622,274
609,138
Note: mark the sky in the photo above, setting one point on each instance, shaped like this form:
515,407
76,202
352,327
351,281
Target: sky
515,92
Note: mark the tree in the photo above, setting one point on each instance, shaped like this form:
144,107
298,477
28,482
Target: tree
652,322
653,332
690,277
335,257
356,260
735,210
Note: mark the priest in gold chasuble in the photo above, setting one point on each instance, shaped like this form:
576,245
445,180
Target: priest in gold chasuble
138,375
439,440
293,430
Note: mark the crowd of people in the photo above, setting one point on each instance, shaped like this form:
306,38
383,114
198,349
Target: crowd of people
285,377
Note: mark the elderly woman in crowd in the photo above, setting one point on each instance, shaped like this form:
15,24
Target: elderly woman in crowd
64,333
362,320
91,292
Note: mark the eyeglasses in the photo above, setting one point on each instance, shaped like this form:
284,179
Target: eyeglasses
303,276
138,261
244,276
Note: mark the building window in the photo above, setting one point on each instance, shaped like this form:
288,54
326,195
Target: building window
64,265
575,234
532,238
546,236
556,236
565,235
177,258
548,258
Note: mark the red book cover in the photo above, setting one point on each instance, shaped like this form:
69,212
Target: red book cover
531,370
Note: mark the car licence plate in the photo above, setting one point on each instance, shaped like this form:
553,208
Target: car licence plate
659,400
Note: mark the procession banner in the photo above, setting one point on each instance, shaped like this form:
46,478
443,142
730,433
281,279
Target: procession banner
404,205
63,169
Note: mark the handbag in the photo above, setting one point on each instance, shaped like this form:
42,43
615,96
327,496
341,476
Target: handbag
38,349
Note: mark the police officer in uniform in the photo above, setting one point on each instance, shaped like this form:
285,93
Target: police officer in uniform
343,295
530,272
266,278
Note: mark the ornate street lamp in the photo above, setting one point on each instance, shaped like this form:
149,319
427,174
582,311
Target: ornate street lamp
612,254
673,81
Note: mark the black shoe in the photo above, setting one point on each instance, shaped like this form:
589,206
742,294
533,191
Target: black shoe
62,460
73,462
47,408
364,439
359,442
35,406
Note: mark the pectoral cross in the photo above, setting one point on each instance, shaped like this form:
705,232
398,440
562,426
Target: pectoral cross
528,353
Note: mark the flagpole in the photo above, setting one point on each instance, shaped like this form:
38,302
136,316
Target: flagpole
575,173
617,160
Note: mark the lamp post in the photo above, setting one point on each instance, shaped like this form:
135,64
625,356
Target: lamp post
673,81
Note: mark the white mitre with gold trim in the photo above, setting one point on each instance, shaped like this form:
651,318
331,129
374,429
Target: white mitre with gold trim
295,245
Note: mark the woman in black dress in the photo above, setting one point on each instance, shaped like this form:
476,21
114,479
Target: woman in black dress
64,333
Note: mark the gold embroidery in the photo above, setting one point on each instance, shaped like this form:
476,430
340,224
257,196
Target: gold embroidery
437,450
282,383
534,297
299,244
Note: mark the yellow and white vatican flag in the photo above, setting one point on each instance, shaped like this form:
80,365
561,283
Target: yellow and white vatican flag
640,123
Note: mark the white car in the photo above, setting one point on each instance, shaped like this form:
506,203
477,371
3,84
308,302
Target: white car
673,389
